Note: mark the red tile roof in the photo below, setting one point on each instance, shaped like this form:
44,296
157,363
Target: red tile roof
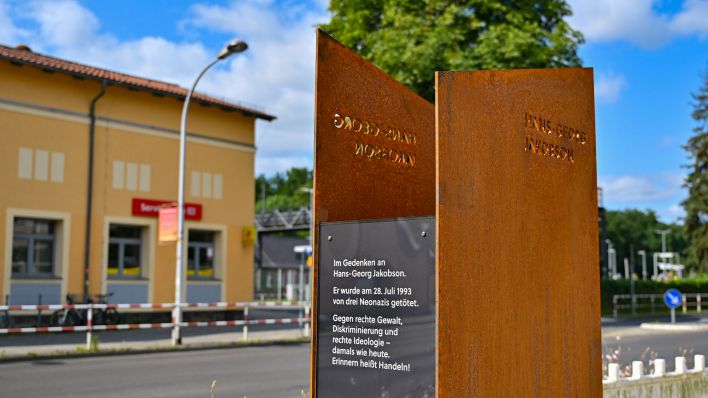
23,55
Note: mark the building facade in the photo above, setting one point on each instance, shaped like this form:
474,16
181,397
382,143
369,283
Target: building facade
87,158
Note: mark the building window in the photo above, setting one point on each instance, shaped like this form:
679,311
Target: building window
124,246
33,248
200,254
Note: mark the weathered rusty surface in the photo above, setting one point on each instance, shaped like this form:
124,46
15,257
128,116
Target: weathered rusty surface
359,187
517,240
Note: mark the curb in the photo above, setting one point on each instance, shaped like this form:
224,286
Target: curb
675,327
155,350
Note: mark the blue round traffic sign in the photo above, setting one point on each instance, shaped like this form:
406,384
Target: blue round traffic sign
673,298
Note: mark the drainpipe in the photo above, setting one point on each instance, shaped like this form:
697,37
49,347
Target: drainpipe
89,190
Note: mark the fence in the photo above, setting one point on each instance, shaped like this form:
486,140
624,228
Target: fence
682,382
303,320
654,303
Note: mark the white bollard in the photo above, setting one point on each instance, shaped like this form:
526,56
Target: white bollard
680,367
698,303
699,363
245,325
659,367
306,328
637,370
613,370
89,324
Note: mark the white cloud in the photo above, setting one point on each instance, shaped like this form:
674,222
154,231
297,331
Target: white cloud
693,18
673,213
278,70
660,192
9,32
629,190
63,23
609,86
637,21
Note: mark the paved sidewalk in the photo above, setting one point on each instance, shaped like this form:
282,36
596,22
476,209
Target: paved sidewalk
228,339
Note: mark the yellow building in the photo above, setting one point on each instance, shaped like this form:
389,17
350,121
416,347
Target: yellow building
87,156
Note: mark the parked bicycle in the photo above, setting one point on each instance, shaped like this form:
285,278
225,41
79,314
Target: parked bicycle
105,316
5,319
68,316
79,317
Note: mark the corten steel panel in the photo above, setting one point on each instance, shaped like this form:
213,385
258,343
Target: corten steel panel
517,238
358,187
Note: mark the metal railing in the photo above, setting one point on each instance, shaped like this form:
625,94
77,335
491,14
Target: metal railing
654,303
303,319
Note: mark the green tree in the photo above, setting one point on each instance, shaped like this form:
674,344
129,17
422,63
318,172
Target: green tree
411,39
696,205
631,227
284,191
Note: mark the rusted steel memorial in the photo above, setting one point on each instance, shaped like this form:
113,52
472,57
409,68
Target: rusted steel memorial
456,244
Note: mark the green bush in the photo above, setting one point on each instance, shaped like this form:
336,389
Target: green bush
609,288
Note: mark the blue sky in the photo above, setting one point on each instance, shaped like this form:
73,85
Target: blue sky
648,57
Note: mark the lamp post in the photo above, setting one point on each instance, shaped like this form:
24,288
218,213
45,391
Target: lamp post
312,231
663,233
233,47
610,255
644,263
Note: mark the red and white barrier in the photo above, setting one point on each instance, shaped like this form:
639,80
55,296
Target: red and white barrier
89,328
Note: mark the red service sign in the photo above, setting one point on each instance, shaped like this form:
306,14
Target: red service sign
151,208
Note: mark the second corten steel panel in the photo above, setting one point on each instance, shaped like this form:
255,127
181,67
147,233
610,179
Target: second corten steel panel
517,239
374,147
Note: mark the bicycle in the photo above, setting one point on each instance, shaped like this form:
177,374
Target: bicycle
68,316
5,319
105,316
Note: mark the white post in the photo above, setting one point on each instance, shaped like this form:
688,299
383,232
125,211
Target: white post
637,370
626,269
233,47
179,264
644,263
301,280
685,304
612,372
280,284
89,324
307,321
659,367
699,363
245,325
673,315
680,365
698,303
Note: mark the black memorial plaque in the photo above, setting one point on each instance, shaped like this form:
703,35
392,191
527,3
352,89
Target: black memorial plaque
376,321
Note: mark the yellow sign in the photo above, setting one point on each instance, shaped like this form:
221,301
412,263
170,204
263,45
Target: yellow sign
248,235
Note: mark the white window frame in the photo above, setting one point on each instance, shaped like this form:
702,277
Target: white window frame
62,226
147,252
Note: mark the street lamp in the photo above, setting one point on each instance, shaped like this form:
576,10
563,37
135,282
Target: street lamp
233,47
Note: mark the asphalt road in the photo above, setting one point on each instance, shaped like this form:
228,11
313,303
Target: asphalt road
626,342
271,371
